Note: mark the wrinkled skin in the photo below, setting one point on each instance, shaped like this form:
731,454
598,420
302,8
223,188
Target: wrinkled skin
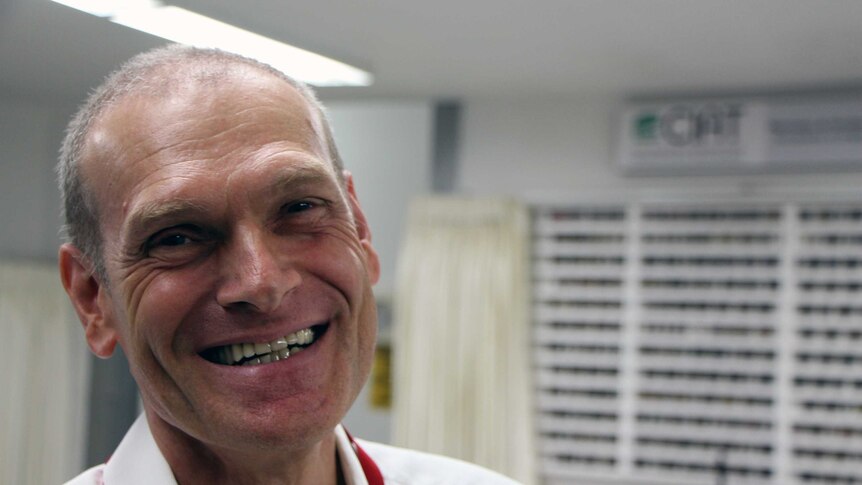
224,221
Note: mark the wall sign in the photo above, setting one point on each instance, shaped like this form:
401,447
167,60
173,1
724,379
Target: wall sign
746,135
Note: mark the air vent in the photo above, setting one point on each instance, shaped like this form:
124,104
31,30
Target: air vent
699,343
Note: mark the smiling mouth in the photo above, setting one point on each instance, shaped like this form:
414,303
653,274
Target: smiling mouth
254,353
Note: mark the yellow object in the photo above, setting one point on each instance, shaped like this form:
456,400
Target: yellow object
380,395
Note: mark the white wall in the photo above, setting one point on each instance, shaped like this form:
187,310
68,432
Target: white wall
557,148
30,133
387,147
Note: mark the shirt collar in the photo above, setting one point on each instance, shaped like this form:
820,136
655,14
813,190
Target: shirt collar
138,460
350,465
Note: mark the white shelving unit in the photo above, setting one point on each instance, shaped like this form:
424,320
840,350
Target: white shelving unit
709,343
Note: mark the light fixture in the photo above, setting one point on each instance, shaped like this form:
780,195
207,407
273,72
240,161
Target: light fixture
185,27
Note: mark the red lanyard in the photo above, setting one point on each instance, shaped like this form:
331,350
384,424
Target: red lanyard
372,473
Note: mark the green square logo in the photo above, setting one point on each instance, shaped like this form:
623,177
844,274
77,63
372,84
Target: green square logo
646,126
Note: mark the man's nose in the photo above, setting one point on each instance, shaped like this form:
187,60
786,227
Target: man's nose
256,273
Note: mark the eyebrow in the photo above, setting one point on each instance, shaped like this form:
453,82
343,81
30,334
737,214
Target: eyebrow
299,176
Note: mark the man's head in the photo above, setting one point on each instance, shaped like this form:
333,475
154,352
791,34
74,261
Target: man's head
208,189
157,73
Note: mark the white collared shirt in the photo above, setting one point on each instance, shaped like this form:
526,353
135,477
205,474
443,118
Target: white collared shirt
138,461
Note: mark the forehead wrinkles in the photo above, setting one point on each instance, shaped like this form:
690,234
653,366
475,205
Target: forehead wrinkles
189,127
178,89
196,124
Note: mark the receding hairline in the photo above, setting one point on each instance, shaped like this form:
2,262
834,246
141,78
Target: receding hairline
176,68
164,81
136,105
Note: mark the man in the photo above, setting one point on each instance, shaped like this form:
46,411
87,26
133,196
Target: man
215,237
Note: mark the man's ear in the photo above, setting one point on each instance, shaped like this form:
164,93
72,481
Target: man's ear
90,299
362,229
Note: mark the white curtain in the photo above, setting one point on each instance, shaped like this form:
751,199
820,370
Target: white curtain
43,381
461,339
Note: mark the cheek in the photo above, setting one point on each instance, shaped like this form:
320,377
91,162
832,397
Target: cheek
343,265
158,305
344,269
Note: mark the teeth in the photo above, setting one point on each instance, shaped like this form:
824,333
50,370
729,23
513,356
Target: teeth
236,351
247,350
267,352
305,336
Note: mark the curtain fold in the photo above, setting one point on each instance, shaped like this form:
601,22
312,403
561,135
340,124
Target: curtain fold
43,380
461,340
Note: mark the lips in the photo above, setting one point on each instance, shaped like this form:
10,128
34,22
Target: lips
257,353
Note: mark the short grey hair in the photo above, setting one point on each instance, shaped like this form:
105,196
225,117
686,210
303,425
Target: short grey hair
156,72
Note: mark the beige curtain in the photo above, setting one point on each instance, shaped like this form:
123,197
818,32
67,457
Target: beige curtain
43,380
461,339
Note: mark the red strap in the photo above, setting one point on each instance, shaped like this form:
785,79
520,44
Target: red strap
372,473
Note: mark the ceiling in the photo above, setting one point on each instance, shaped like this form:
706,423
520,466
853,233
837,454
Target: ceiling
487,48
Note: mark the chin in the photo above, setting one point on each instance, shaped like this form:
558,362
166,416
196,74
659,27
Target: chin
282,427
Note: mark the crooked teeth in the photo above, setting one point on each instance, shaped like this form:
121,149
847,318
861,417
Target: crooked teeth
264,353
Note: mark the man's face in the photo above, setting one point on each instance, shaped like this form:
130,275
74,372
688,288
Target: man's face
226,231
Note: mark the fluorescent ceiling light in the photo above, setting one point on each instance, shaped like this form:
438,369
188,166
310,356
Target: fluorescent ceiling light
185,27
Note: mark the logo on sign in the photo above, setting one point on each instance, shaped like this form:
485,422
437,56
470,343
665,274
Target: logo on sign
690,125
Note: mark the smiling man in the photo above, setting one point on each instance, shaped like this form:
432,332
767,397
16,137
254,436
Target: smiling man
215,236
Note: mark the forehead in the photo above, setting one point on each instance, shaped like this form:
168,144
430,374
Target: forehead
212,126
247,105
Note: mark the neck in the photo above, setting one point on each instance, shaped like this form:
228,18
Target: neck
194,462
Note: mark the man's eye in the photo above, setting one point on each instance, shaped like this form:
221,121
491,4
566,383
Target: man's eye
172,240
179,244
168,240
302,213
304,205
300,206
